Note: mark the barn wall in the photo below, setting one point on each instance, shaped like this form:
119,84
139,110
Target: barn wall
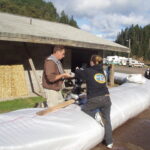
12,53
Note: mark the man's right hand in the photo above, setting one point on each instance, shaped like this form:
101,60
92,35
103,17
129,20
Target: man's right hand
63,76
66,75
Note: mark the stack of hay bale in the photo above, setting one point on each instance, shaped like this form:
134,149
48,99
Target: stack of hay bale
12,81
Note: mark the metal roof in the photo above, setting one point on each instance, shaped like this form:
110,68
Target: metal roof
26,29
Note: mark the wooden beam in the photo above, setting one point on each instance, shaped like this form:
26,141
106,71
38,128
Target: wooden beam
112,70
52,109
65,42
42,93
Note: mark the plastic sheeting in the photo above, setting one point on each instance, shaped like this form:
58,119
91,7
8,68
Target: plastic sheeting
120,77
128,100
136,78
133,78
66,129
69,128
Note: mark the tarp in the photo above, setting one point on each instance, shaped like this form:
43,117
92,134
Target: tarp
69,128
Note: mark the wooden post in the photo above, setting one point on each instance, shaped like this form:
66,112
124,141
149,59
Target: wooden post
42,93
112,68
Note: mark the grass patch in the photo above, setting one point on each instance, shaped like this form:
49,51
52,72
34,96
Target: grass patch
21,103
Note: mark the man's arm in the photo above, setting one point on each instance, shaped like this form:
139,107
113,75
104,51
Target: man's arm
62,76
50,71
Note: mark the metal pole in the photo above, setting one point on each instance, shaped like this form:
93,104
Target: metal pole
129,47
129,43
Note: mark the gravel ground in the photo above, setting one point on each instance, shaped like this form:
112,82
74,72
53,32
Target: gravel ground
135,133
130,70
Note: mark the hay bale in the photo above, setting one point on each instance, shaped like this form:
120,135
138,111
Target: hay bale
12,81
5,81
18,81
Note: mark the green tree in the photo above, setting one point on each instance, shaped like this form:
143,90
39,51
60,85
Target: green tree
140,40
64,18
72,22
36,9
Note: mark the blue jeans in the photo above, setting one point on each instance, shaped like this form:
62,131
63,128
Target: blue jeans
102,103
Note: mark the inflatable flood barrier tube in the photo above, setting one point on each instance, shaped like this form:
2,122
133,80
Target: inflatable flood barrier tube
69,128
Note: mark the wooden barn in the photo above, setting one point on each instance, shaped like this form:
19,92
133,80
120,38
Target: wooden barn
25,43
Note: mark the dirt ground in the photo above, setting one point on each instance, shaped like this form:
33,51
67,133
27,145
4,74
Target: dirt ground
135,133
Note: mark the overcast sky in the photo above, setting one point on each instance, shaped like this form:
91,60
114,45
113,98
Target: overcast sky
106,18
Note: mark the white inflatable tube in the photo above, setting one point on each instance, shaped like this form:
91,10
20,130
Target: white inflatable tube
132,78
128,100
120,77
66,129
69,128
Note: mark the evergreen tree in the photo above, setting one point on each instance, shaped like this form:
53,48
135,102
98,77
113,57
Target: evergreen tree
64,18
140,40
72,22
